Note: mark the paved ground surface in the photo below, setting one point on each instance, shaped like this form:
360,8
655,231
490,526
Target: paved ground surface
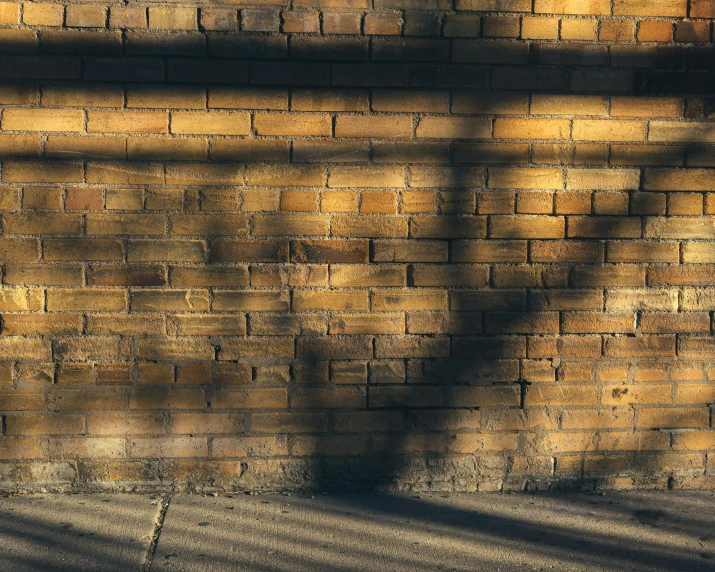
75,532
613,532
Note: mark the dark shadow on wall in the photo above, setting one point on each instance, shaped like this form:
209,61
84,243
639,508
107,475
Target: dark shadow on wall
477,390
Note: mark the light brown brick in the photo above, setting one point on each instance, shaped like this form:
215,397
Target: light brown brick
41,14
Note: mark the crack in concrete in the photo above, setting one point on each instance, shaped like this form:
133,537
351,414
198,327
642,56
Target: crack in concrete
163,507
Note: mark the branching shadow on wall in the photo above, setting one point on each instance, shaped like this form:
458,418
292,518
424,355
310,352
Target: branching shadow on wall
455,401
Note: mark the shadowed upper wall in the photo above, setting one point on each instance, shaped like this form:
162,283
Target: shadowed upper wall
426,244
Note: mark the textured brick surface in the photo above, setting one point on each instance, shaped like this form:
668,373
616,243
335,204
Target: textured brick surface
442,244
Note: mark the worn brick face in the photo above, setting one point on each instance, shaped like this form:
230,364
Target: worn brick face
385,235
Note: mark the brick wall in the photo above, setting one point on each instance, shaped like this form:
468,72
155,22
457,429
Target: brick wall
447,244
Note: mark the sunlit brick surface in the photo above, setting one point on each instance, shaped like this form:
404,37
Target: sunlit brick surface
446,244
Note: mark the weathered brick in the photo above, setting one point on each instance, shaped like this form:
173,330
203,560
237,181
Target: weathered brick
527,227
655,8
608,130
174,349
678,180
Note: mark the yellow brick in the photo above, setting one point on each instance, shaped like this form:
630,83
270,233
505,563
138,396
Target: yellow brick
564,395
302,125
243,300
568,105
89,299
284,175
643,299
154,224
20,299
20,40
10,198
651,8
19,248
172,18
333,151
418,201
608,130
9,13
616,31
208,276
399,101
630,394
156,149
488,103
81,146
454,128
632,251
602,180
330,99
299,201
260,201
526,178
531,128
369,226
376,176
124,199
127,324
446,177
15,119
127,17
83,249
367,324
597,7
578,29
330,300
373,126
360,275
698,252
290,225
539,28
569,154
86,16
249,150
42,172
96,95
526,226
413,300
42,14
655,31
411,152
127,122
373,202
42,198
166,251
672,132
169,300
535,203
41,223
646,155
496,202
203,174
248,98
161,97
686,205
338,201
647,107
125,173
679,180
